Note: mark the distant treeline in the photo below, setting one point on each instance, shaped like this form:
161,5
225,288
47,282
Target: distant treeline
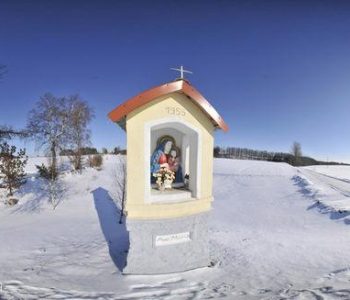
92,151
251,154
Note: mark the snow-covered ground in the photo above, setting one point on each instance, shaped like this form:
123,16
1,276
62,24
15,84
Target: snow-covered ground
330,186
270,238
340,172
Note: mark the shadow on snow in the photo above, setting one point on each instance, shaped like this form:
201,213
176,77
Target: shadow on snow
307,192
116,235
38,190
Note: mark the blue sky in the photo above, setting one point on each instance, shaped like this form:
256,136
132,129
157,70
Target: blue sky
277,71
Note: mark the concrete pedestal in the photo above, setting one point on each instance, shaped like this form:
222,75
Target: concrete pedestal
167,245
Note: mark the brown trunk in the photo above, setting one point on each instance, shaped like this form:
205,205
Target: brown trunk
10,188
54,159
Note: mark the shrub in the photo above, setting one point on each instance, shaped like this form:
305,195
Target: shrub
51,184
95,161
49,173
76,160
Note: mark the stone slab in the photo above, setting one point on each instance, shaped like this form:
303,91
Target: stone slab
167,245
171,195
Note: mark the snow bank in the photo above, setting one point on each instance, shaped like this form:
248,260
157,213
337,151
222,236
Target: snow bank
331,190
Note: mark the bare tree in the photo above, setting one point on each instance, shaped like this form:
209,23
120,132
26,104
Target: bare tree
48,125
6,133
120,177
296,152
121,182
80,115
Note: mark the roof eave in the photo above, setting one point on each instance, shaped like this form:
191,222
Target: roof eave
121,111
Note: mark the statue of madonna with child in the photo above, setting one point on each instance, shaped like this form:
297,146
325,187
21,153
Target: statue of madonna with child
166,157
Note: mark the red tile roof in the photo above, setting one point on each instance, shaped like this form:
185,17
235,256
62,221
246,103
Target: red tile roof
120,112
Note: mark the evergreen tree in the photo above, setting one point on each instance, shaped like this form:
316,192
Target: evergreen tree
12,167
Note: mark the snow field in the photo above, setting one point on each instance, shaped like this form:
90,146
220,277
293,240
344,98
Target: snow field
269,239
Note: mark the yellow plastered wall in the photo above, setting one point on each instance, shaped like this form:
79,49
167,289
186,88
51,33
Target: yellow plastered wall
159,108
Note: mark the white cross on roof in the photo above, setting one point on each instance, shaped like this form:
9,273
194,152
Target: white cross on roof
182,71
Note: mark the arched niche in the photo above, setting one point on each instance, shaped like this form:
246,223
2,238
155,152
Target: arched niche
188,139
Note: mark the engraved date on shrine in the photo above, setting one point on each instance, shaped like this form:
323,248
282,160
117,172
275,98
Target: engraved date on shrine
176,111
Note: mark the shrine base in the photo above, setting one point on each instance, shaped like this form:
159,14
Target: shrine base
167,245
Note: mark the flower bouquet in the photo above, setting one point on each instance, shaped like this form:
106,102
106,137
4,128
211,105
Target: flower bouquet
165,178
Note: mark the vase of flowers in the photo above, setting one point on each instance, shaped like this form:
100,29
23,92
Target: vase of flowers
168,184
165,178
161,187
